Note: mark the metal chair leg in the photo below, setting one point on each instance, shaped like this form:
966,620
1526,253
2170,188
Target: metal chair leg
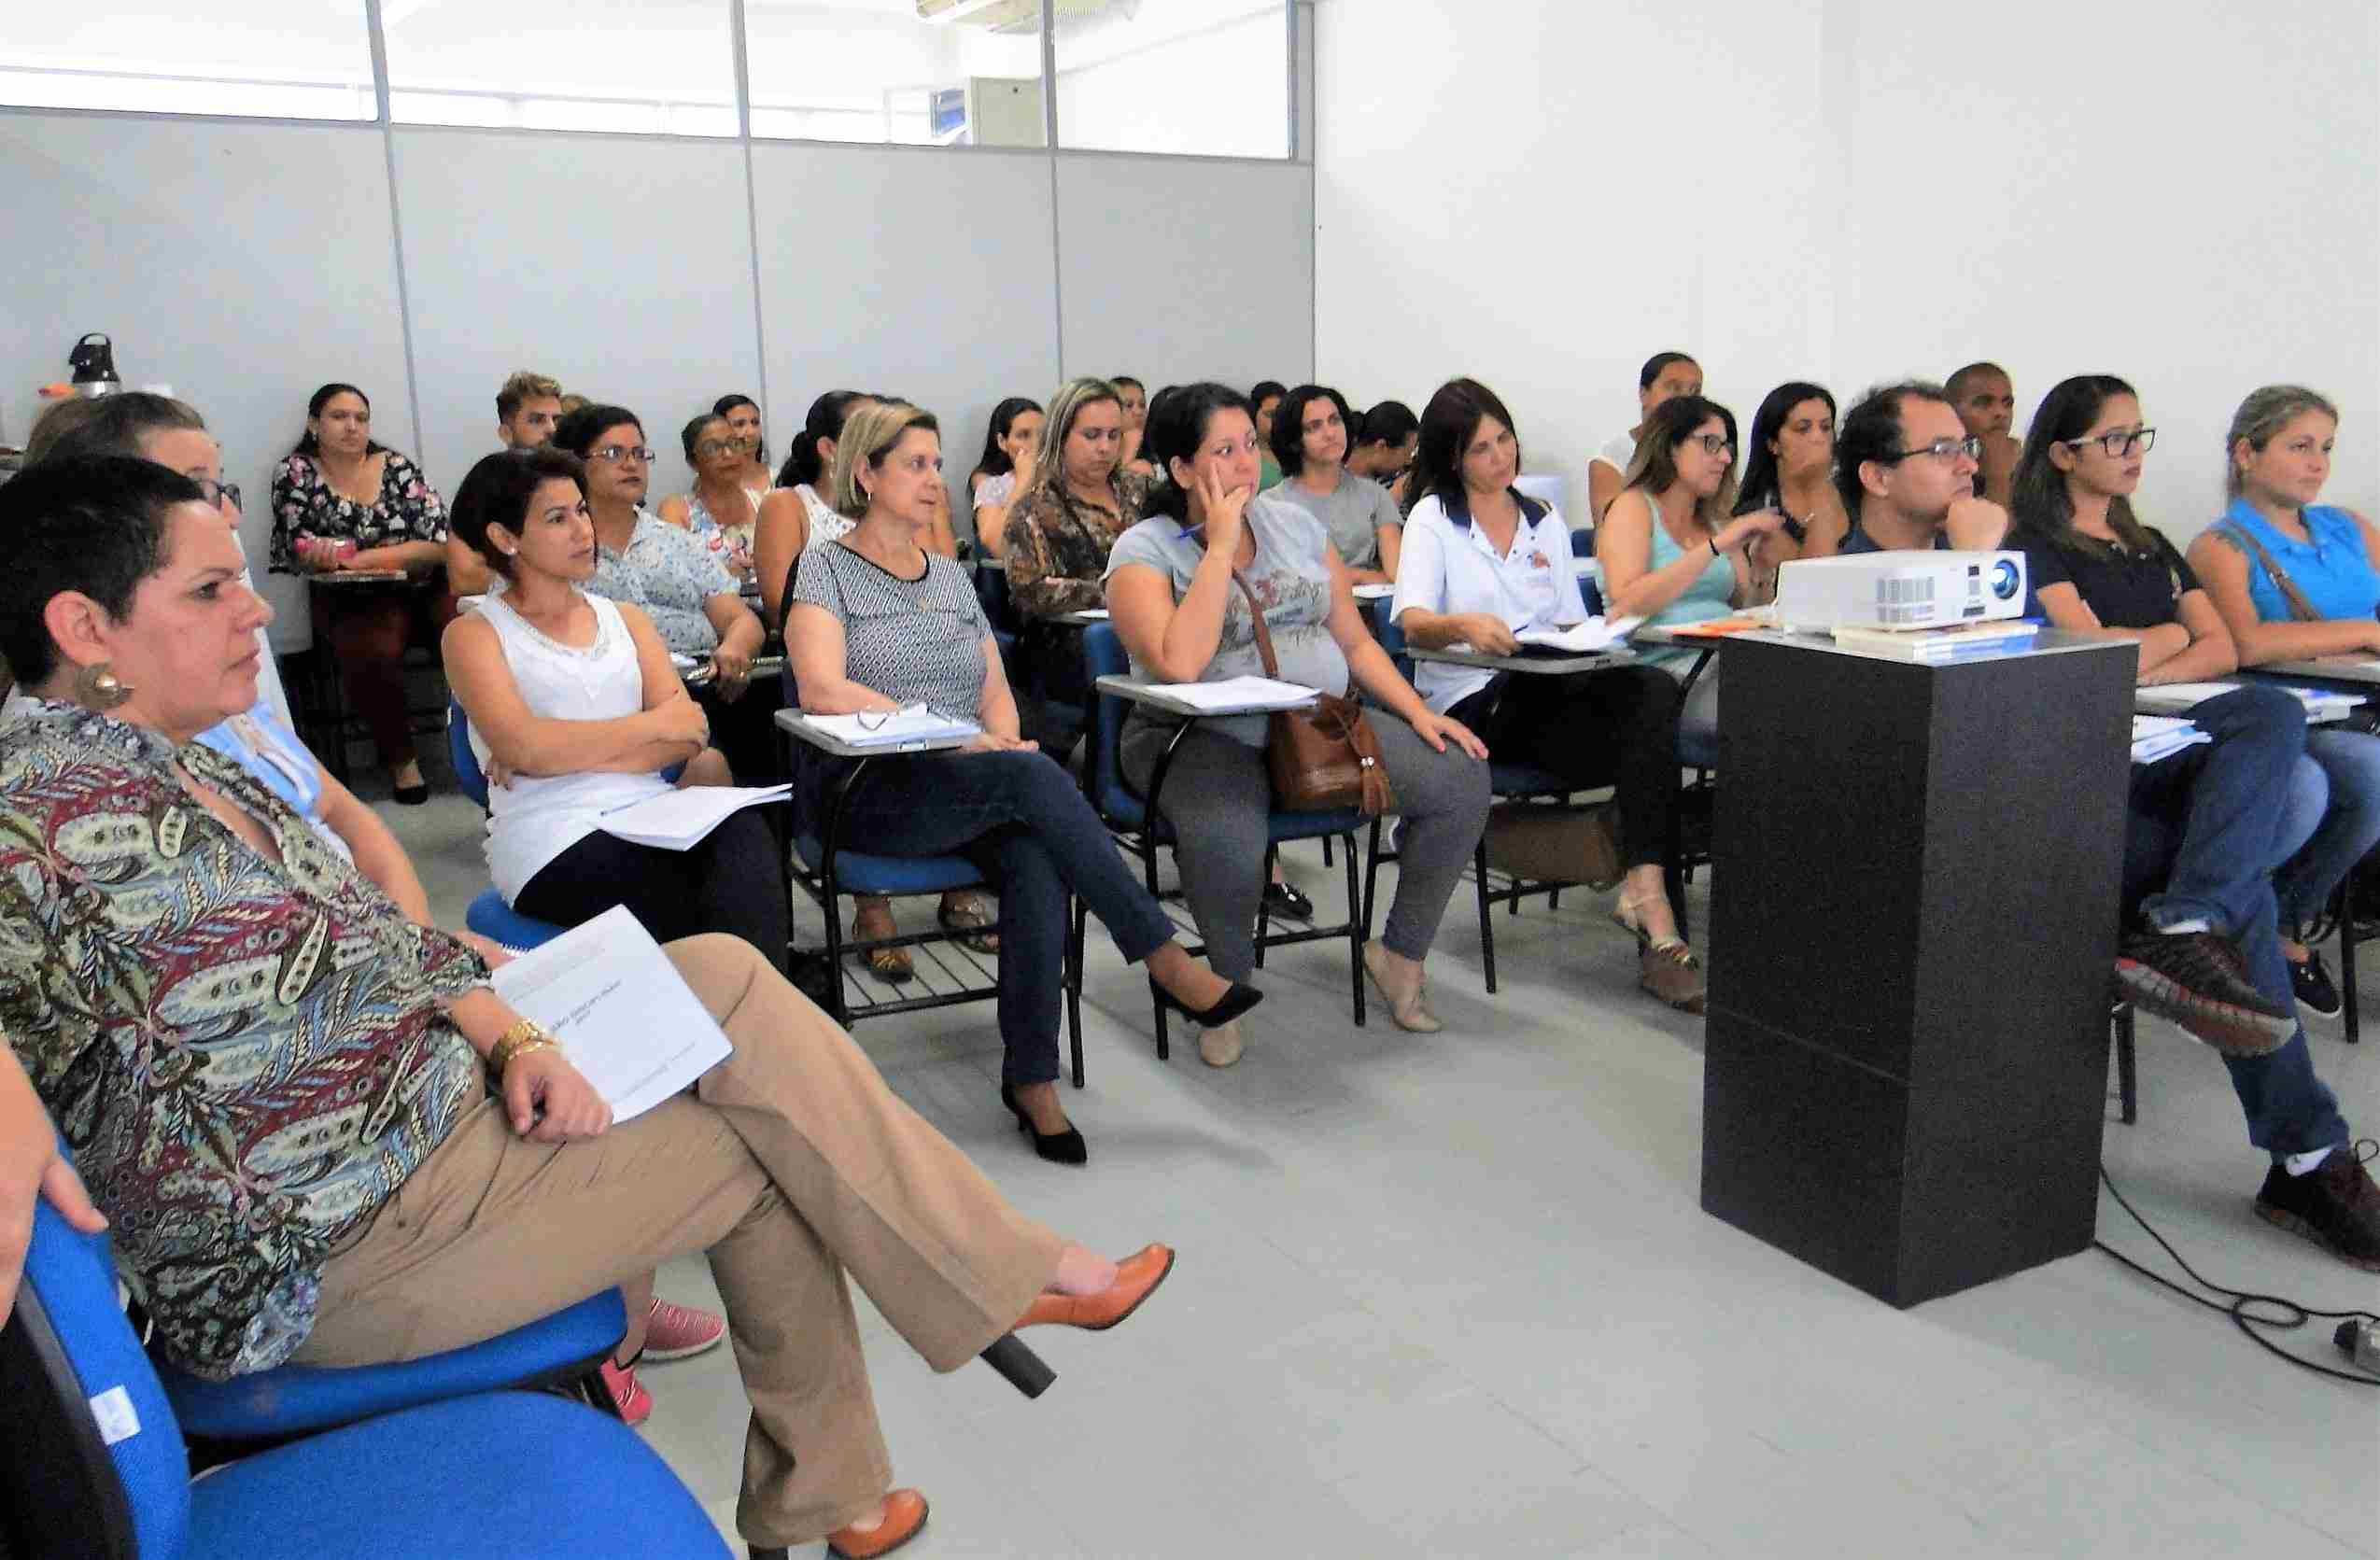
2127,1064
1486,917
2342,909
1074,988
1359,932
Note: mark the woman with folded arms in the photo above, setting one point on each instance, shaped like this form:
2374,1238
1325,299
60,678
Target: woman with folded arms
878,624
2206,826
1008,443
1178,585
1310,437
344,503
244,1200
797,516
1483,560
1789,467
1079,499
575,710
719,509
2294,578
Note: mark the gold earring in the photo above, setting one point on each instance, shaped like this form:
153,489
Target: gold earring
98,688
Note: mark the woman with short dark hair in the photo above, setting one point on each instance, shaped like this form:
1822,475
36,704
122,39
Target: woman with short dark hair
1310,434
1665,376
718,510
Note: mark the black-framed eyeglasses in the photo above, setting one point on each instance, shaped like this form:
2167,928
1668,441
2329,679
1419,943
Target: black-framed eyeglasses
218,492
2118,443
876,720
1943,449
611,452
709,447
1717,445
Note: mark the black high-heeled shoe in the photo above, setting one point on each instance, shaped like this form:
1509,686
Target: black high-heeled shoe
1229,1006
1067,1148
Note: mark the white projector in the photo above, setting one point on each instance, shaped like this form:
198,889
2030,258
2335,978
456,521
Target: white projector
1900,590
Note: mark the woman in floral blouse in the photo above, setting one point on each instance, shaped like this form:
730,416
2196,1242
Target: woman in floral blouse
345,504
251,1051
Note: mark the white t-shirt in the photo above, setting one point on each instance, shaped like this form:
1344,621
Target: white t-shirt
535,818
1449,566
1618,451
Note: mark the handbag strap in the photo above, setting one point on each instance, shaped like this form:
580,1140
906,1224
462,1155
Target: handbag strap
1263,635
2239,536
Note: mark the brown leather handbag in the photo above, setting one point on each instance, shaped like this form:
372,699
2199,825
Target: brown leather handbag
1326,755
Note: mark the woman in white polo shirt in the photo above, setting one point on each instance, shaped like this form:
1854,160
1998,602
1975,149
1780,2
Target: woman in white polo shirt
1481,561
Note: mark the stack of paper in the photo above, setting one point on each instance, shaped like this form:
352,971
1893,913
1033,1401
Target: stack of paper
2156,736
1963,642
916,724
1591,638
1236,694
681,820
622,1012
1373,592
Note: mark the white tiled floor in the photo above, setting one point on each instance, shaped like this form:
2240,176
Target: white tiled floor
1455,1296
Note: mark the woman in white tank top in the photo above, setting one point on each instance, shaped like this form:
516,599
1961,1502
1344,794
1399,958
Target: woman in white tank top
576,710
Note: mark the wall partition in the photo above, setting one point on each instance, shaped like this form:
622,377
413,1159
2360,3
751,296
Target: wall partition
585,200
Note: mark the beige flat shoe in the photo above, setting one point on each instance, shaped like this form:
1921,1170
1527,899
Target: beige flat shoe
1220,1046
1410,1015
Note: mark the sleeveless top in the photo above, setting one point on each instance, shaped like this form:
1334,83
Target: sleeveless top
825,523
1711,594
536,819
722,537
2331,570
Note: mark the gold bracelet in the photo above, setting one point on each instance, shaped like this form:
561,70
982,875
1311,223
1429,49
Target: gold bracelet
526,1035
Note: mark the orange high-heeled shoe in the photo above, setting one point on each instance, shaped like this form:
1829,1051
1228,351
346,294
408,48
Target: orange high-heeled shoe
1137,1277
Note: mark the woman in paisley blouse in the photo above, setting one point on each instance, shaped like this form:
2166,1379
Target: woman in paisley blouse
251,1051
344,503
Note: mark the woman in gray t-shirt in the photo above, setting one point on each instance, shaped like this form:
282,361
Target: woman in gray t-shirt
875,621
1310,436
1183,620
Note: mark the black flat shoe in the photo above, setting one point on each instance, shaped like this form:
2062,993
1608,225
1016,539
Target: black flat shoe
1229,1006
1286,903
411,795
1067,1148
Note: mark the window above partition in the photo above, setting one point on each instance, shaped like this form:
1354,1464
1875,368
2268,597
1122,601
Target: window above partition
948,73
270,59
1208,77
659,67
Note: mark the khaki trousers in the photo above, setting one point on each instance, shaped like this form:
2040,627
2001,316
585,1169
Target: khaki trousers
790,1163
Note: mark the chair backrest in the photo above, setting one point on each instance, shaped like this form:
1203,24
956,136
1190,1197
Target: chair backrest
467,778
1582,546
1386,629
1103,655
87,1423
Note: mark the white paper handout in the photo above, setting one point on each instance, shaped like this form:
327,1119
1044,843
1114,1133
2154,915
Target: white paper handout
1237,694
915,724
680,820
624,1016
2156,736
1593,637
2321,704
1373,592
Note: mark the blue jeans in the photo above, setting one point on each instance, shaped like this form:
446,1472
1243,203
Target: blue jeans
1025,825
2348,828
2210,823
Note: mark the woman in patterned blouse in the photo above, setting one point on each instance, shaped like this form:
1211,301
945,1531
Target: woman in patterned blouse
250,1050
344,503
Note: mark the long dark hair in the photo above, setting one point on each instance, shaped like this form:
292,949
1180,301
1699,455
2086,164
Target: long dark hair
1447,424
307,444
725,404
825,421
2038,495
1178,418
995,461
1289,426
1760,486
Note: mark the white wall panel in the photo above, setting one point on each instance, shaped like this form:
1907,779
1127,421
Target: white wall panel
243,264
1174,271
920,273
621,267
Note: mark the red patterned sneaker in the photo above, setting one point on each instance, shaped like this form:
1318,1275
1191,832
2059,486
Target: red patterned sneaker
679,1331
630,1400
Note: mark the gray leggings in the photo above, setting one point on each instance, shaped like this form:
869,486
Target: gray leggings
1216,796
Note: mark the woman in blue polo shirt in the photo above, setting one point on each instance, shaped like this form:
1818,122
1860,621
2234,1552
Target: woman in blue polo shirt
2293,580
1481,561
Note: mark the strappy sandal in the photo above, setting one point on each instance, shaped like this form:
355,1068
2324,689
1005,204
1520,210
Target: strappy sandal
886,963
1665,967
963,919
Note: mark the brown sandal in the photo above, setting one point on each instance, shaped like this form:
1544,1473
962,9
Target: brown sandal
886,963
963,921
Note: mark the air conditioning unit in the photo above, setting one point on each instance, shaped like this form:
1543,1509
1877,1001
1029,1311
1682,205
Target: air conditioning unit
1013,16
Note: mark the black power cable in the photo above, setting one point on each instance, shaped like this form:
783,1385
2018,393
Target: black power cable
2286,1314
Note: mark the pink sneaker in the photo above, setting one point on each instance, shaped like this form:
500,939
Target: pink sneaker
630,1398
678,1332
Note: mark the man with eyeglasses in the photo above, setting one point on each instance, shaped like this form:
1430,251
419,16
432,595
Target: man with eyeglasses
1904,466
1985,399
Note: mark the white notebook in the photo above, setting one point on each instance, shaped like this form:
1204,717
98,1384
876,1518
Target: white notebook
681,820
623,1016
